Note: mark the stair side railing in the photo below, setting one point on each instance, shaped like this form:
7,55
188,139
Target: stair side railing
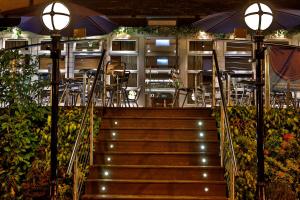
82,153
228,159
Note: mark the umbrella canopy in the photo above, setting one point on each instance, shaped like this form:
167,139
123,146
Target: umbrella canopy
93,22
226,22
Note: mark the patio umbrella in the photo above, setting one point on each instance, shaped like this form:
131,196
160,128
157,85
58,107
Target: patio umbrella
81,17
226,22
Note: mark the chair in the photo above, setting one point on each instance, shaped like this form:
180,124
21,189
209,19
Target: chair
115,71
124,83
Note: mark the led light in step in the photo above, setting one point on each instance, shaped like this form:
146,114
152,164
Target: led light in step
205,175
201,134
204,160
206,189
103,188
200,123
106,173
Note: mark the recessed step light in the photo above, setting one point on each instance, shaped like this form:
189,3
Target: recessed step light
202,147
201,134
200,123
204,160
206,189
103,188
205,175
106,173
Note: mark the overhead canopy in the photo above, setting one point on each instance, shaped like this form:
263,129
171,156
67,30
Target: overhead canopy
226,22
81,17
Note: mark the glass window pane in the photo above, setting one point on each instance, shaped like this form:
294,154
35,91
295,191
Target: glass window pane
130,61
129,45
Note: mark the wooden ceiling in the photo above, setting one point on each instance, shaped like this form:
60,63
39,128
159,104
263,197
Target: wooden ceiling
136,12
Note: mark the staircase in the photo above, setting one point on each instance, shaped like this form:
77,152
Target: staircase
146,153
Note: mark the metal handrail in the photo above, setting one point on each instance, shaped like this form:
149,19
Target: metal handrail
83,148
91,94
224,106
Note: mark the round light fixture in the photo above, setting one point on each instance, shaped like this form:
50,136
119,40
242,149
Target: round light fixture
258,16
56,16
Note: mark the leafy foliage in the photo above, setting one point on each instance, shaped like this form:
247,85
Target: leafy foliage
282,147
25,133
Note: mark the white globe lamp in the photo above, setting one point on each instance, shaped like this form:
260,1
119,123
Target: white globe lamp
258,16
56,16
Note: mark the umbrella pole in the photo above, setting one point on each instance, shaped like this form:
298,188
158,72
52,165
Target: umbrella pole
259,54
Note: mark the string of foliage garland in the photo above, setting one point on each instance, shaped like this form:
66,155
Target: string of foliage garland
188,31
25,132
159,31
282,147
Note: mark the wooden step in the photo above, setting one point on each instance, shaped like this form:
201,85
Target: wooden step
158,172
156,187
157,134
156,146
157,112
148,197
158,158
158,123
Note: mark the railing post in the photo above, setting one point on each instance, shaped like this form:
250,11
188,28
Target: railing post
267,81
214,84
222,132
75,179
232,182
91,133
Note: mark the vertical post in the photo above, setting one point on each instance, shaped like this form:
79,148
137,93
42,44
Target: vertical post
84,89
267,82
75,180
228,85
232,182
259,54
55,53
91,132
222,136
214,84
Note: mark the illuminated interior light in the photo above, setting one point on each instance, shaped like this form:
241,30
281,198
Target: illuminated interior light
202,147
103,188
111,146
114,134
205,175
206,189
108,159
204,160
116,123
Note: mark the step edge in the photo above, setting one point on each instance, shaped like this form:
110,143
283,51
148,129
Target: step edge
101,196
159,166
156,181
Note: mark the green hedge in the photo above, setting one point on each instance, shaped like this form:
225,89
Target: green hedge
25,151
282,147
